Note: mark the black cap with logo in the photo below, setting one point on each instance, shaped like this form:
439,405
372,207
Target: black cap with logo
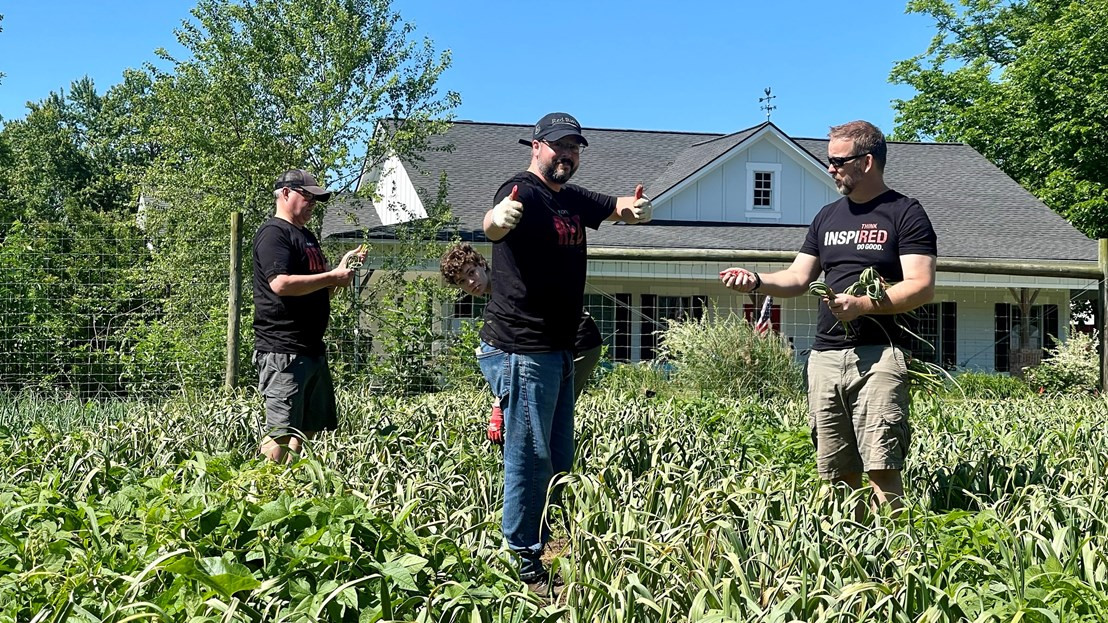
554,126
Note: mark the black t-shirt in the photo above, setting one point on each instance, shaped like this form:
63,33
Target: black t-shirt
849,237
588,335
539,267
288,324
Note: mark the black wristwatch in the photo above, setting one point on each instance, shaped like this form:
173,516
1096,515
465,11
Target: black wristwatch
757,281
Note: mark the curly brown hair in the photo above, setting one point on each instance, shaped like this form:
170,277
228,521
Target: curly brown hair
456,257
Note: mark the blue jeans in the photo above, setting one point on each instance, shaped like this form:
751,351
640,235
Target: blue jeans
536,395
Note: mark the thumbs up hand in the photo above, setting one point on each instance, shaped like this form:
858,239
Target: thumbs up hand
507,213
642,209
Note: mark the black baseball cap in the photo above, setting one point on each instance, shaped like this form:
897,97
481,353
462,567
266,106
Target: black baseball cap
301,179
554,126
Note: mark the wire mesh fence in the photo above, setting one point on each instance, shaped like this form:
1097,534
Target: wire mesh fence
101,311
85,312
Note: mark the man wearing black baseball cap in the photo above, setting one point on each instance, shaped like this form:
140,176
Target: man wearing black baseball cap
292,304
554,126
299,179
538,229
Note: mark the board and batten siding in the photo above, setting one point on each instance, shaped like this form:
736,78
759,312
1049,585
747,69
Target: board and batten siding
721,193
395,198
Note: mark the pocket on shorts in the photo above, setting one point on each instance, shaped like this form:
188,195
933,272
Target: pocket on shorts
274,378
901,359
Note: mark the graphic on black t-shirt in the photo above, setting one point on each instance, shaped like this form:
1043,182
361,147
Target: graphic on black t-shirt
850,237
316,262
539,267
570,231
869,237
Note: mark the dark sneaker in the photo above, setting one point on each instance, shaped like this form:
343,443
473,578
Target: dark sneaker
534,576
546,586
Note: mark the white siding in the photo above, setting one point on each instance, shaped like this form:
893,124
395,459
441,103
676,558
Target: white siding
684,205
710,196
721,192
814,194
396,200
734,190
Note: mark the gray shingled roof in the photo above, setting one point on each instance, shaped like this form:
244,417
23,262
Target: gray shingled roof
695,158
977,210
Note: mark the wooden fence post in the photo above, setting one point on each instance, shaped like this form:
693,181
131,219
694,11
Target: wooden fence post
1102,312
234,302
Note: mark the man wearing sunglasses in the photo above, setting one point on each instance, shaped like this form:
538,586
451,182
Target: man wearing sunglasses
537,227
292,304
857,376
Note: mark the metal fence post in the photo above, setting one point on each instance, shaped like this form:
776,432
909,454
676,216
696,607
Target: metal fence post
234,302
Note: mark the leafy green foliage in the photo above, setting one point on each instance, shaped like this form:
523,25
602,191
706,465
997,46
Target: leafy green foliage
71,156
679,508
333,86
1019,82
722,354
56,336
975,385
1072,368
391,325
457,364
632,379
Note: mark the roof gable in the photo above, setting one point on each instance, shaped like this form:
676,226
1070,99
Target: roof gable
713,181
977,210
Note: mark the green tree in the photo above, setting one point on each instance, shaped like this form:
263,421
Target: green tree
1,30
1024,82
70,249
333,86
74,152
274,84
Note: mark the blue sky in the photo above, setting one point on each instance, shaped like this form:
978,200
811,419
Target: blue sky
646,64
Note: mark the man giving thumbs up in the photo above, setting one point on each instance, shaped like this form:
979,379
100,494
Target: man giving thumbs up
538,226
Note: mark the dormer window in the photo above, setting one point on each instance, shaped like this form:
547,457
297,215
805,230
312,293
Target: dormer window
763,183
763,190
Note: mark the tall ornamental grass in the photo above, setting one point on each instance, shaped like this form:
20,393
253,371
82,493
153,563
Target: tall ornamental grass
723,355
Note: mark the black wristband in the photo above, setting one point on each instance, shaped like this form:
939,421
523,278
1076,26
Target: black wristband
757,281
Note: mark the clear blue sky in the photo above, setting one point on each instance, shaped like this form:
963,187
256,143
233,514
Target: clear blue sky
644,64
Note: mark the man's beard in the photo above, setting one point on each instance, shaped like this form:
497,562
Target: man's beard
845,186
552,173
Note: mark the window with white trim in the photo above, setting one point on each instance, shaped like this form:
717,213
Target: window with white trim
763,195
763,190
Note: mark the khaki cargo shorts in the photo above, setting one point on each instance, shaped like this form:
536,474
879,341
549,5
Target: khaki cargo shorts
858,409
299,394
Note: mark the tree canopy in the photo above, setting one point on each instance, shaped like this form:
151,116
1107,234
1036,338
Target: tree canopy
147,174
1024,82
276,84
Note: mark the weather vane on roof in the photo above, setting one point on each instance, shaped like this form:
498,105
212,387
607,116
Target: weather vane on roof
767,103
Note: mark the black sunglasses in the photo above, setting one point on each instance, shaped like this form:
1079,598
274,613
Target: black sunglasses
303,193
839,161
